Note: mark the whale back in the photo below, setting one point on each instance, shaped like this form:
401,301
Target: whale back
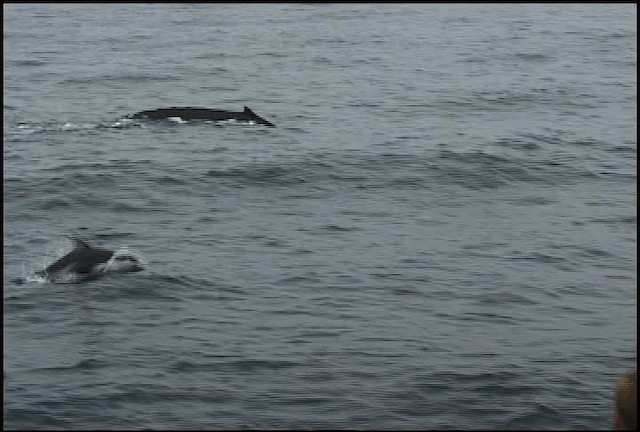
196,113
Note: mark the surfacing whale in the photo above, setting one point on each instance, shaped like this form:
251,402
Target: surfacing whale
194,113
87,262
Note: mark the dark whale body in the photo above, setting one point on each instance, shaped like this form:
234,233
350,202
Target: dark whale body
192,113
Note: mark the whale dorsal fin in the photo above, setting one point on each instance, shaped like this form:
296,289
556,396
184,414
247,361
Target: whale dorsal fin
247,110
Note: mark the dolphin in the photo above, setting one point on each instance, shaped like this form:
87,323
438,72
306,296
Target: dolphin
191,113
88,261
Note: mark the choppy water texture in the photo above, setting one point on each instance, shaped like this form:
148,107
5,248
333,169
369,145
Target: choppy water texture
439,233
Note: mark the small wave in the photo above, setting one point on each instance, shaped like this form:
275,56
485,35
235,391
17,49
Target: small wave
250,365
189,366
490,317
338,228
532,200
503,298
111,166
630,220
243,365
507,390
517,143
538,257
533,57
78,200
144,285
479,170
114,235
25,419
151,393
469,169
86,364
504,100
109,78
274,175
538,414
218,55
597,253
29,63
182,281
631,148
480,377
275,54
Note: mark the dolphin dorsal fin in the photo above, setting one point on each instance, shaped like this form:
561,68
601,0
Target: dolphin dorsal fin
78,243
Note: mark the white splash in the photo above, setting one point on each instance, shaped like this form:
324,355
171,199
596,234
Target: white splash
116,264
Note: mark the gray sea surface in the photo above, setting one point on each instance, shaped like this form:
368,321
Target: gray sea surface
440,233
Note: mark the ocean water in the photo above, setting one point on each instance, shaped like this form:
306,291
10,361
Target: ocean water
439,233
